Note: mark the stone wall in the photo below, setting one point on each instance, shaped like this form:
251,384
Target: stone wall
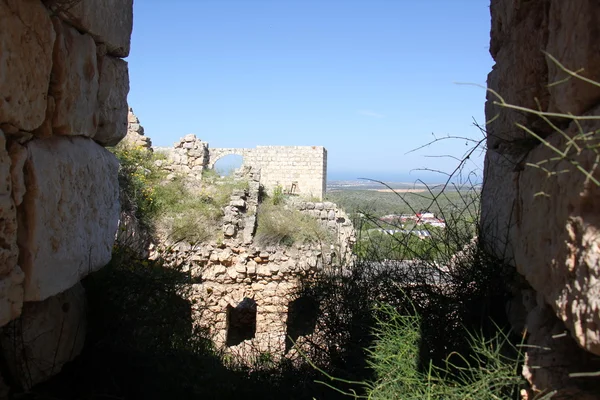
189,156
545,221
297,169
64,90
135,133
246,295
300,170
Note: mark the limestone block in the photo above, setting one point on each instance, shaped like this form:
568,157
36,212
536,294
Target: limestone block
229,230
26,42
331,215
69,213
251,267
240,268
74,82
552,356
262,270
219,270
8,215
519,34
562,260
225,255
238,203
48,334
499,205
232,273
574,39
109,21
112,101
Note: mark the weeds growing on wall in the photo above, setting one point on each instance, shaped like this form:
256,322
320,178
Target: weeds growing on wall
488,373
441,306
280,224
172,206
138,177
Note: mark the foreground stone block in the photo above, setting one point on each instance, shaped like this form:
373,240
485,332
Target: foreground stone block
520,65
112,101
26,42
69,213
109,21
498,205
8,214
574,39
11,276
48,334
558,233
74,84
552,355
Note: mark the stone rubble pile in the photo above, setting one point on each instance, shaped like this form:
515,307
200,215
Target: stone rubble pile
189,156
135,133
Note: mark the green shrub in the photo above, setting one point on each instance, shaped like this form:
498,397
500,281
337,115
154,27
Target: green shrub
138,177
279,225
486,374
181,212
277,197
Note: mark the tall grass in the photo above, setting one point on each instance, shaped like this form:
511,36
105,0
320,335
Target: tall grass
487,373
279,224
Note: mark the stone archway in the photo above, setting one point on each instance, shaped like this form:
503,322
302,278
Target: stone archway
218,153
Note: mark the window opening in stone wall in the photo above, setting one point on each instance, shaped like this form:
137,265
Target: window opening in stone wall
301,320
241,322
228,165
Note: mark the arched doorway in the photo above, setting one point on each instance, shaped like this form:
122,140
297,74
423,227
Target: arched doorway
228,164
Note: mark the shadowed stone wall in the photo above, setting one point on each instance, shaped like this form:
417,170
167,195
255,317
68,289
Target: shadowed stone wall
63,97
546,221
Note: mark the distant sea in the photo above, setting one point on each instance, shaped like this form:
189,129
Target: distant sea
407,177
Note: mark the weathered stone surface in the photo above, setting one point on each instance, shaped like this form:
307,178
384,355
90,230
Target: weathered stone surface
112,101
562,261
574,39
553,355
499,205
546,222
519,34
8,215
48,334
74,82
18,156
135,133
26,42
70,211
109,21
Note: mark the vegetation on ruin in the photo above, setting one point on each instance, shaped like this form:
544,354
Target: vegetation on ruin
281,224
169,204
379,325
395,309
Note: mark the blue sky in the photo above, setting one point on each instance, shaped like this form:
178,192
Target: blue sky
369,80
